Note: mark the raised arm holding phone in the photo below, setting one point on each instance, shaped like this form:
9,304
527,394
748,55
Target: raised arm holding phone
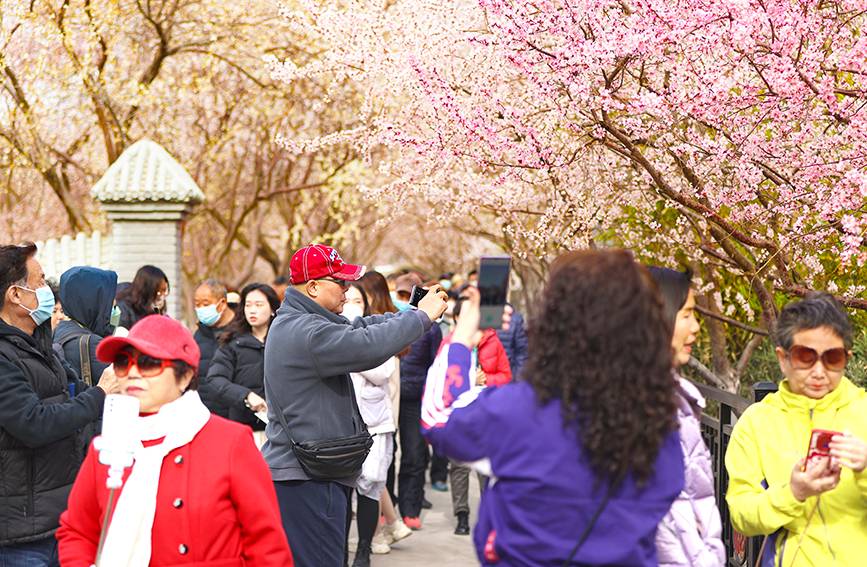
607,477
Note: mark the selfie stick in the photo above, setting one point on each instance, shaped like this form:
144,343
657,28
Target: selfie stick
116,449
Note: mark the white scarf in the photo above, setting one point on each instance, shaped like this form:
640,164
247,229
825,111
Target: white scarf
128,542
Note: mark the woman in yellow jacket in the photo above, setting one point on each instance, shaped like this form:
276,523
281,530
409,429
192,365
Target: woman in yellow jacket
816,516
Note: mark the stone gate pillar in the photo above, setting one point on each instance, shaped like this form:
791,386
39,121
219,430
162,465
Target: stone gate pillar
147,196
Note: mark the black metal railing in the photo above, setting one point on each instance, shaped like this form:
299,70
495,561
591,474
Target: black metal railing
741,551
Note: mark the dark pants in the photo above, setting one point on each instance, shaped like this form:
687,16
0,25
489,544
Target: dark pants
42,553
314,519
410,479
439,467
389,481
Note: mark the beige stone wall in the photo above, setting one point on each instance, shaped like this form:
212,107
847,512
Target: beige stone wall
149,233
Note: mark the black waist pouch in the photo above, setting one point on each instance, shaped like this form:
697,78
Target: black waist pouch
333,458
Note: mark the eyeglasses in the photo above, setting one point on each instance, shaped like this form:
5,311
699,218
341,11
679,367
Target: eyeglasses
147,366
342,283
803,358
163,293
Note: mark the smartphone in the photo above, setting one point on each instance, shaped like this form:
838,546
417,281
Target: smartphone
494,289
119,417
819,439
417,294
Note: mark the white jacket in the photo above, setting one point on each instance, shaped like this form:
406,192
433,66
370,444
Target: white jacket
374,398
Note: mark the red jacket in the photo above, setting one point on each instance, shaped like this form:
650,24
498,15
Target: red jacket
216,506
492,358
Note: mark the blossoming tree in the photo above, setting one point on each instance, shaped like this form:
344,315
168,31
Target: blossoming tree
725,135
81,81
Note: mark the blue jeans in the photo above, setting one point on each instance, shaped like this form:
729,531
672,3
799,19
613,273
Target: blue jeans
314,515
42,553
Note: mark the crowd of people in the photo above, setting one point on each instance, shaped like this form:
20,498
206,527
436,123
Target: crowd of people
253,436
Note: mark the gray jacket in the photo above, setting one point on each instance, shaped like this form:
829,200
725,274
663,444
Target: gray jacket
309,354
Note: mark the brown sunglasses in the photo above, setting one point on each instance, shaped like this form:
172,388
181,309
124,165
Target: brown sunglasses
803,358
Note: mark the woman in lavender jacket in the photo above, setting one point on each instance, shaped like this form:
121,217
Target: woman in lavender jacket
689,535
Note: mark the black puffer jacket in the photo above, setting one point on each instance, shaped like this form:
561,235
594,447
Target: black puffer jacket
236,370
129,317
39,446
207,338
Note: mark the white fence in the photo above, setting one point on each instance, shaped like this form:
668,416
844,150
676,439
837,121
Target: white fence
58,255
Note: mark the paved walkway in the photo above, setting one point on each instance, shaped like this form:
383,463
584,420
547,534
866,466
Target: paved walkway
435,544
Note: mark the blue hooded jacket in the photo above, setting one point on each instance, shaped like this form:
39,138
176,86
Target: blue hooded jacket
87,296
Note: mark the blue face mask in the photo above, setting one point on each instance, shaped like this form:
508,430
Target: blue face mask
402,305
207,315
114,319
45,297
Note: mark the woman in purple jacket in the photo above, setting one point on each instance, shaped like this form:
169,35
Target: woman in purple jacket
586,444
689,535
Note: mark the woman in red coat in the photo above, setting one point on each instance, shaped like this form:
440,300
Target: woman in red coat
199,492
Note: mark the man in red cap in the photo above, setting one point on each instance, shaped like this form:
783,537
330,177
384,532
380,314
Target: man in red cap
311,350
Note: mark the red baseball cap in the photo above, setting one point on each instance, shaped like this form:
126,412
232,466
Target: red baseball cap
320,261
157,336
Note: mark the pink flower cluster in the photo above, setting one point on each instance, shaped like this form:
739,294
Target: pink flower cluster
562,118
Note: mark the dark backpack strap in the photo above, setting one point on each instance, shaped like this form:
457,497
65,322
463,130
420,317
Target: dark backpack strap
84,352
58,345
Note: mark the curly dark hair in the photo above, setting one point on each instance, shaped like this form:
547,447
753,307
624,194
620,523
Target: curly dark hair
239,324
602,346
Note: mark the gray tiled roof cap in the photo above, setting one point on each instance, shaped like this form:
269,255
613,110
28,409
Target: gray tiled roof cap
146,172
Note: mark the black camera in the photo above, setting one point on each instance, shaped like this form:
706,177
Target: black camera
417,293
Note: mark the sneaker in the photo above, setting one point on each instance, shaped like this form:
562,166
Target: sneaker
395,532
426,504
412,523
439,486
352,545
379,545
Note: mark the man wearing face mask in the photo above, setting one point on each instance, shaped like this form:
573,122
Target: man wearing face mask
39,418
213,312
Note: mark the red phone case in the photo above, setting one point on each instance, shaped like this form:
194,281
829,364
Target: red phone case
819,439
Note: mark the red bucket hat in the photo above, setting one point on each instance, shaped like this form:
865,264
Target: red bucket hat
320,261
157,336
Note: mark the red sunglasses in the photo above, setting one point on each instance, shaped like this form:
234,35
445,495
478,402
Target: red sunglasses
803,358
147,366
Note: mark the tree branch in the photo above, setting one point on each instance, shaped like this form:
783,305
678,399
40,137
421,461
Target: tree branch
800,291
732,322
705,373
751,347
